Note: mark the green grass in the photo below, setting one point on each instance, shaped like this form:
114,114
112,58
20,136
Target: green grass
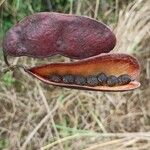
8,79
4,143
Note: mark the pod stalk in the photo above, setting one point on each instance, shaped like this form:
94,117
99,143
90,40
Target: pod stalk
5,59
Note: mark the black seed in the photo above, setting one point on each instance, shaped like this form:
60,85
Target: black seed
55,78
92,80
124,79
112,81
80,80
102,78
68,78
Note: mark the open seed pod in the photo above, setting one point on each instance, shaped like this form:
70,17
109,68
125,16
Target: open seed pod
46,34
77,74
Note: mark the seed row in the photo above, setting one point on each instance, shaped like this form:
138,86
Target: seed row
92,80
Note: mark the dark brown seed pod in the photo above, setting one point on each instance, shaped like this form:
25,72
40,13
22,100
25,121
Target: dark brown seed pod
112,80
80,80
45,34
102,78
124,79
68,78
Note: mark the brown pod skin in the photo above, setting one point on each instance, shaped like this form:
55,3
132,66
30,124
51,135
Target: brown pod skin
45,34
109,64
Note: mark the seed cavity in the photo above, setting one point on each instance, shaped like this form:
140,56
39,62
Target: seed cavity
92,80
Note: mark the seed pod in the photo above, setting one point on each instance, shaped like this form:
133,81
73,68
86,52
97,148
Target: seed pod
112,80
124,79
80,80
46,34
92,80
109,64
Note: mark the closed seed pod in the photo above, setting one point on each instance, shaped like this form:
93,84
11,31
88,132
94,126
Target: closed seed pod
45,34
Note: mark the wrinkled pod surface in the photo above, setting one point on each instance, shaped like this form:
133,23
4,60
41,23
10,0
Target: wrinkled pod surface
46,34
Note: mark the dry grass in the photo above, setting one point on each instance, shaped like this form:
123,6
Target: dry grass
37,116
